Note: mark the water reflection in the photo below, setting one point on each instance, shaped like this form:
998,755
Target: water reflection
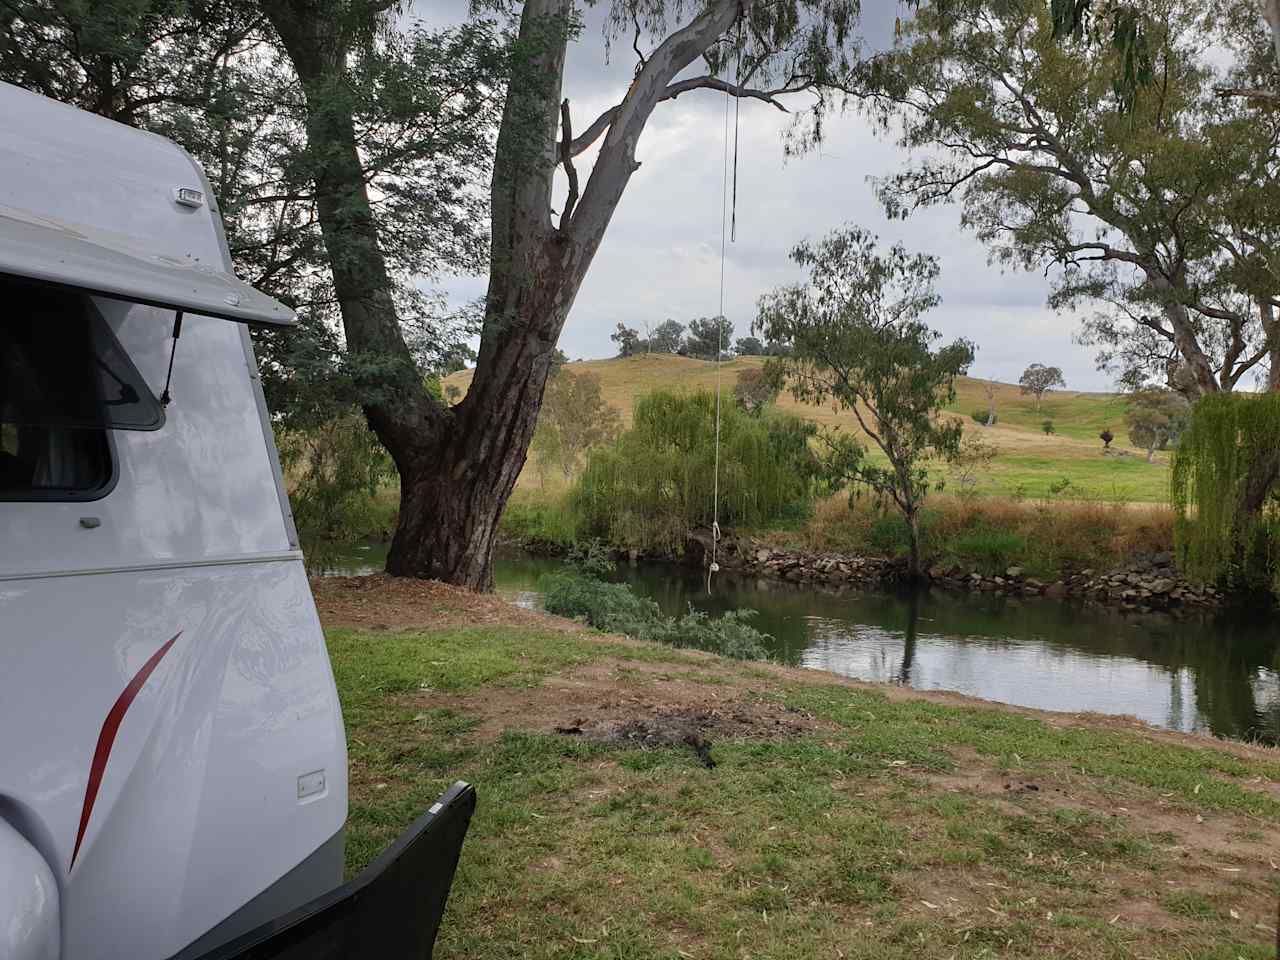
1217,674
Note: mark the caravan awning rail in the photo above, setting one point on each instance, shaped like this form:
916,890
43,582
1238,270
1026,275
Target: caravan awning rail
114,265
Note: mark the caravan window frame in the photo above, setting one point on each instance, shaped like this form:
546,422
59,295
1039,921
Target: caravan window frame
36,495
92,315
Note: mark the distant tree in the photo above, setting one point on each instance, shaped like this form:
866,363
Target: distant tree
1048,428
855,328
1106,436
627,339
1155,417
575,417
709,337
453,392
990,390
558,359
1037,379
749,347
971,461
666,337
755,390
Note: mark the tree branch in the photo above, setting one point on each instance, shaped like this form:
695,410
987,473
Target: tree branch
606,119
567,159
1259,95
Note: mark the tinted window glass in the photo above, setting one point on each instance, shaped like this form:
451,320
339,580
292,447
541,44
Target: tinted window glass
64,379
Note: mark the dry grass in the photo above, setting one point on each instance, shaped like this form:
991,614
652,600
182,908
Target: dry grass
1028,460
993,532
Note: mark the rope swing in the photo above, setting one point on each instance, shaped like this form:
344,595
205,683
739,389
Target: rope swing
728,217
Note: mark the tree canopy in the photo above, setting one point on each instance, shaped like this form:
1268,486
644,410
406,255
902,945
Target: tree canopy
1037,380
1159,208
859,343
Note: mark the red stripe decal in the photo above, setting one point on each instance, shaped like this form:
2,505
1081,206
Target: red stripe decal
107,737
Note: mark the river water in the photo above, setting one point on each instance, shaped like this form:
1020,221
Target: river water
1217,674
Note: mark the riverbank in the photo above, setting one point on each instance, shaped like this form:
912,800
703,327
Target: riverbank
1144,583
839,819
1113,554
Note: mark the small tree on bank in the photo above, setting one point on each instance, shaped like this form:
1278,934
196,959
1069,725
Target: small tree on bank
575,418
1155,417
859,343
1038,379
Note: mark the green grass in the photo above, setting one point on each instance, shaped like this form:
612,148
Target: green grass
861,838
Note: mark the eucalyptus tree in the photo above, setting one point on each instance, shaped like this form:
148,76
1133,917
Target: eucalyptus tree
210,74
1038,379
459,463
858,343
1156,203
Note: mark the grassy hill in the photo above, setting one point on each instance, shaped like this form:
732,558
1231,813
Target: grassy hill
1028,462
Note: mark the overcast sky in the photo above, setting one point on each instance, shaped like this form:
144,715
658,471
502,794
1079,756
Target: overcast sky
661,255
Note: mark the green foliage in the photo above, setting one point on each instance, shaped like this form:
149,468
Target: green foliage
1157,206
1155,418
335,470
1225,472
591,559
709,337
982,415
615,608
1037,379
656,483
627,339
971,461
1048,428
573,419
992,550
537,523
667,337
754,390
858,342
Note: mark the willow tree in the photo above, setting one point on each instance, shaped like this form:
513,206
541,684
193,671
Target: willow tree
1226,476
1156,203
675,470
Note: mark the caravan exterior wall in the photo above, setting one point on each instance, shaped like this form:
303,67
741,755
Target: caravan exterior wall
170,738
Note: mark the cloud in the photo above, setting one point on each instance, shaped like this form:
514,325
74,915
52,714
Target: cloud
661,255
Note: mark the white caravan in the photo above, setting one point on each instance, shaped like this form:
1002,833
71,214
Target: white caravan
173,767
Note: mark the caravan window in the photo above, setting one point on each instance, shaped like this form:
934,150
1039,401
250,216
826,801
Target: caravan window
64,381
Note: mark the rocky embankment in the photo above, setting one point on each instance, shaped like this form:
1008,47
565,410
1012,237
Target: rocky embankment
1147,583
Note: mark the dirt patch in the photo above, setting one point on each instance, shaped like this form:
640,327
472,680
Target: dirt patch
644,705
381,602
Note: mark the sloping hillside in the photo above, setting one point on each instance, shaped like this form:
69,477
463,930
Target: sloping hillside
1029,461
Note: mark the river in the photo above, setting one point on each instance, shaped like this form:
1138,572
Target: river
1215,675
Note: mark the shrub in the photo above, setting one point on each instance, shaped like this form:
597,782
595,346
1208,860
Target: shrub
1106,436
980,416
615,608
1048,428
535,523
655,483
334,470
989,548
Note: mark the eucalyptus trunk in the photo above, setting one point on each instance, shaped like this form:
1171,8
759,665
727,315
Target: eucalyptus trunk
458,464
